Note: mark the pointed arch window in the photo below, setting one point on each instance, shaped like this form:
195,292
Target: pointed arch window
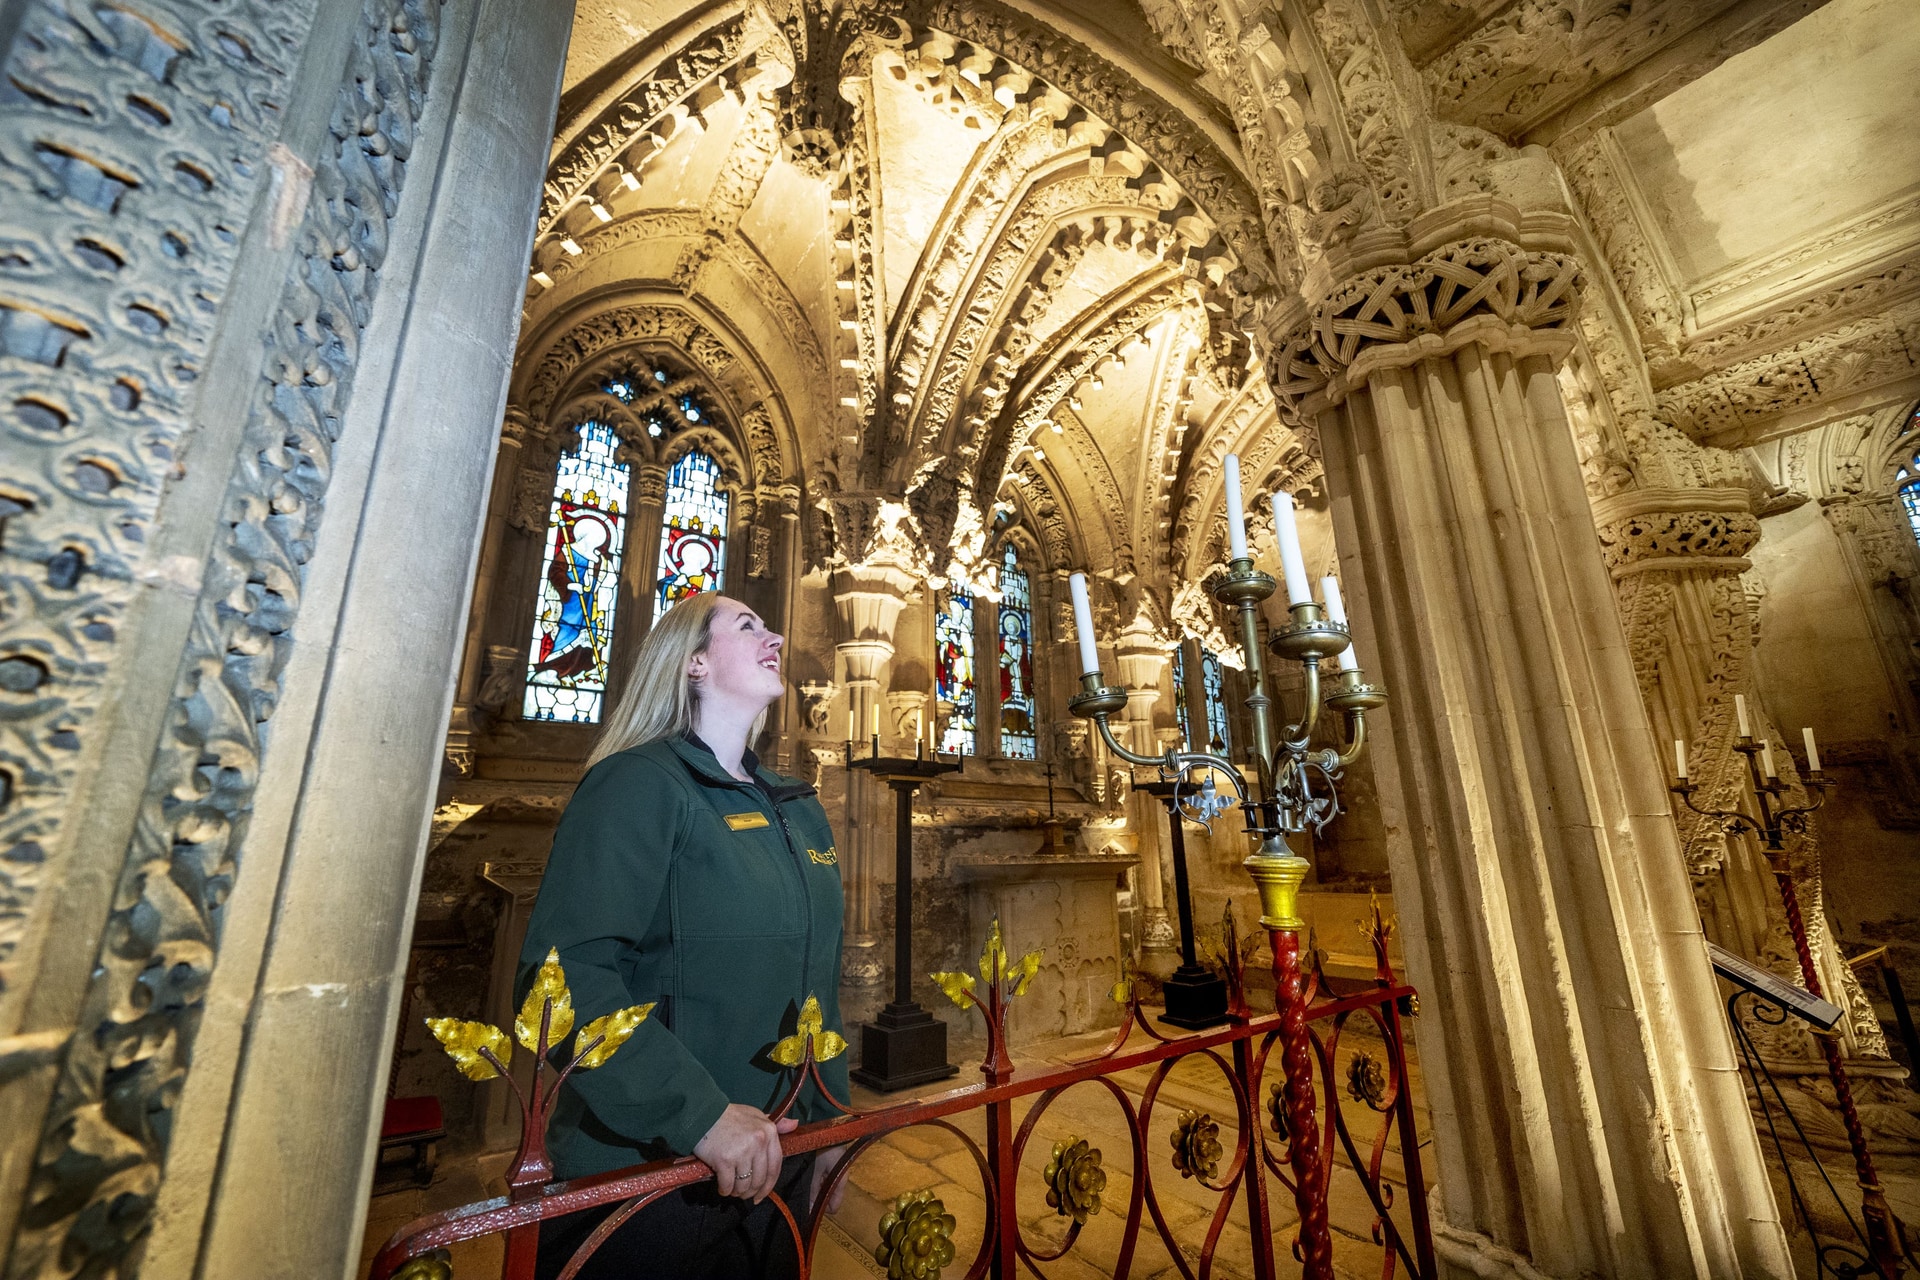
579,581
1019,739
1180,693
1213,687
1906,480
953,665
693,532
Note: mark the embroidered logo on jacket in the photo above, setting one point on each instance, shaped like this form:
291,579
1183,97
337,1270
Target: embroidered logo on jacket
747,821
830,858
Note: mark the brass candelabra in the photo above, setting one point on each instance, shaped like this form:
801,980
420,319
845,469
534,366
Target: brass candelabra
1294,789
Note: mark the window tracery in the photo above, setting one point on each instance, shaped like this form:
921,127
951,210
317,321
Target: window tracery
1019,738
579,581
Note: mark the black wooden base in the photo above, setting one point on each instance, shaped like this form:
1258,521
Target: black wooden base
904,1046
1196,999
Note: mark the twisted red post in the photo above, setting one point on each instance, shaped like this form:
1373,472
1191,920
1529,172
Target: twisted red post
1315,1246
1873,1201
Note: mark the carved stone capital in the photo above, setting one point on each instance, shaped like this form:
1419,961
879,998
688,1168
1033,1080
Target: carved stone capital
649,484
515,427
1662,528
1485,289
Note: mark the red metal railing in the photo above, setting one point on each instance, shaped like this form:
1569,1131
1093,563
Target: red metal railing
1294,1147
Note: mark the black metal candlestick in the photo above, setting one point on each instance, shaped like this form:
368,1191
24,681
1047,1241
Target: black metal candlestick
1196,996
904,1045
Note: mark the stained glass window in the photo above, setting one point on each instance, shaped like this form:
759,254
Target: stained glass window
693,532
1018,735
1214,685
1180,693
1909,486
953,645
573,623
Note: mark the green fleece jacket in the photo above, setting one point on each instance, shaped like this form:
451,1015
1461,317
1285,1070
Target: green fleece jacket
672,882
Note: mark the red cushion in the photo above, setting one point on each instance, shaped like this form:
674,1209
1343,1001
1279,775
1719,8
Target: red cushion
411,1115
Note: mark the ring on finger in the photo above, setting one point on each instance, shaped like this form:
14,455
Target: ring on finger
742,1177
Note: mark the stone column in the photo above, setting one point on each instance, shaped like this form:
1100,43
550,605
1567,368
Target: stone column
1142,657
1587,1112
633,616
463,723
867,600
309,984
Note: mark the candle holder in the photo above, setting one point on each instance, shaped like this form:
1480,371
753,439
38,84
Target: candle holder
904,1045
1293,791
1776,821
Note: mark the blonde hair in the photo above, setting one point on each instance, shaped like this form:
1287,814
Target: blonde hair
660,698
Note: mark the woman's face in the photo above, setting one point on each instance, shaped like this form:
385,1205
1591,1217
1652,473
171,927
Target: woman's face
741,663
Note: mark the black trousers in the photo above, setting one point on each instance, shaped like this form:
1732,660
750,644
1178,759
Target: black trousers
690,1234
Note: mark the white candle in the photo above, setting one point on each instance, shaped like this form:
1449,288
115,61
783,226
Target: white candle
1680,757
1337,612
1740,712
1813,753
1236,516
1292,565
1083,624
1766,758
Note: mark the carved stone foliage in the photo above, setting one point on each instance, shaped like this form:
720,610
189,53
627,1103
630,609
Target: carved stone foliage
105,1136
620,327
1851,357
1158,129
815,119
131,149
1648,525
1532,58
1371,108
626,122
1528,289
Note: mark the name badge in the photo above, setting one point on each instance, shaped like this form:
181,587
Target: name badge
827,859
747,821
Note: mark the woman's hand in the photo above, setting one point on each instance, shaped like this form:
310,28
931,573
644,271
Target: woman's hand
743,1150
823,1166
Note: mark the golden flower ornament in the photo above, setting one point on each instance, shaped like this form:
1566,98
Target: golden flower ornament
827,1045
916,1237
1075,1180
463,1042
611,1031
1196,1145
549,984
1277,1109
1367,1080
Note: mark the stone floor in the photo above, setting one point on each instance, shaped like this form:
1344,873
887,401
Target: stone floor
913,1159
928,1158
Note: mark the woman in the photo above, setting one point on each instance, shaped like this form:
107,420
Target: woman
685,874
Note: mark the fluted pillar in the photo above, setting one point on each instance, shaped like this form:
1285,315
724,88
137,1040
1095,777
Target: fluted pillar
1587,1113
867,601
1142,658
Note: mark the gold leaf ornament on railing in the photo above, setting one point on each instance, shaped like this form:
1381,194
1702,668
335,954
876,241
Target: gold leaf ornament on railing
1075,1180
827,1045
1196,1145
482,1051
916,1237
436,1265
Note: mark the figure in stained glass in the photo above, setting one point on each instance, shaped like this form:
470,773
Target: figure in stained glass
573,623
1018,736
693,532
953,662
